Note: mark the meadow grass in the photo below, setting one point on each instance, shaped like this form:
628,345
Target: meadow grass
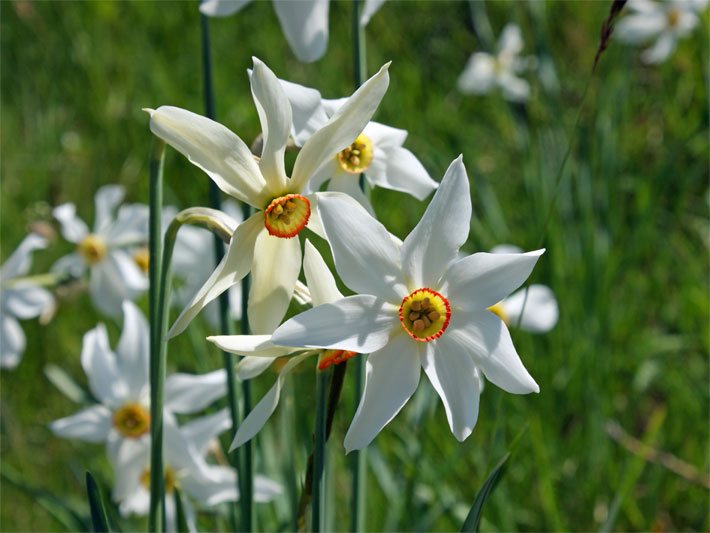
626,239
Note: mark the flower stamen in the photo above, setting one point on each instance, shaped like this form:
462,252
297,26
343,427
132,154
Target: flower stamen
287,215
170,482
141,257
356,158
425,314
132,420
92,249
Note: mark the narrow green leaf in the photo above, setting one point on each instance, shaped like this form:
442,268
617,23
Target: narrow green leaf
96,505
181,519
474,515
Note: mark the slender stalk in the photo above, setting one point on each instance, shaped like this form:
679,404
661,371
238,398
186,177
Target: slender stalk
357,463
242,458
318,507
157,354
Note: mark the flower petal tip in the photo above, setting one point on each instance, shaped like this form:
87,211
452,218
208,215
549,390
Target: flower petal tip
148,110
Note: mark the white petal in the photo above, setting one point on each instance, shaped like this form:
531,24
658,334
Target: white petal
218,486
485,337
341,130
188,393
321,282
221,8
234,266
434,243
71,264
19,263
99,364
213,148
482,279
12,342
305,26
365,256
361,323
266,406
130,458
73,228
403,172
308,114
541,311
660,51
392,376
115,279
107,198
200,432
511,40
275,116
478,77
130,227
252,345
350,184
636,29
266,489
26,300
133,350
276,266
514,89
369,9
250,367
455,378
383,136
92,425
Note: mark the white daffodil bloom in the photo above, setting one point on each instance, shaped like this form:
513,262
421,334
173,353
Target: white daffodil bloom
485,72
666,22
120,383
194,261
264,243
107,251
417,305
304,22
377,151
539,308
260,352
19,300
186,468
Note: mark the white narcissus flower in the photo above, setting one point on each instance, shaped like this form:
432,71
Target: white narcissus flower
260,352
194,261
120,383
107,251
377,151
538,308
485,72
264,244
304,22
417,305
19,299
185,451
666,22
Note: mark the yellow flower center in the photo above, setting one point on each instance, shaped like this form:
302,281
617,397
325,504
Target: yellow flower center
132,420
170,482
357,157
425,315
329,358
673,17
142,258
498,309
92,249
287,215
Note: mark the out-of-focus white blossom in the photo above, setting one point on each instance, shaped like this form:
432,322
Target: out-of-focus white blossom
113,251
485,72
19,300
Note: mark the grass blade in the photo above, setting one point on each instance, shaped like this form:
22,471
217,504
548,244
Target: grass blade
99,519
474,515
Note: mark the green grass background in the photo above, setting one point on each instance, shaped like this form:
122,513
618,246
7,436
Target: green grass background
627,250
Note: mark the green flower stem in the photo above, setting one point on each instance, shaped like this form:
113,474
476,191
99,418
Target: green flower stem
358,459
157,354
47,279
318,507
241,460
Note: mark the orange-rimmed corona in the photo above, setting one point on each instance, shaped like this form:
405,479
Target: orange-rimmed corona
356,158
329,358
425,315
131,420
287,215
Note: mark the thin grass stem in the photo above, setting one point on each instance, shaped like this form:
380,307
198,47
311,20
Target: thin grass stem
318,505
